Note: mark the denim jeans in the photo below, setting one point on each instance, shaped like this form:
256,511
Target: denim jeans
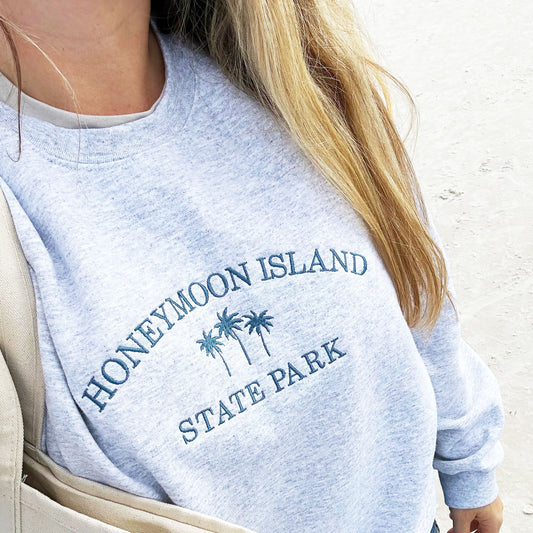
435,528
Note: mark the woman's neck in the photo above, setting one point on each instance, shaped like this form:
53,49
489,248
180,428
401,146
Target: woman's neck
104,48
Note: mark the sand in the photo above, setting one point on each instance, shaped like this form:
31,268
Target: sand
469,67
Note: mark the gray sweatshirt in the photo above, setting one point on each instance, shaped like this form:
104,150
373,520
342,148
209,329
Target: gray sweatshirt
218,331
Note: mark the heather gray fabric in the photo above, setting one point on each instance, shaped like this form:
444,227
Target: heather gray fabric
62,501
217,329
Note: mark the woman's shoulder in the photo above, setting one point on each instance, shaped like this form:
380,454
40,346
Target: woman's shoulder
180,53
217,100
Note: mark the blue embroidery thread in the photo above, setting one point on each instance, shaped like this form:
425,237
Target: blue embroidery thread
227,325
211,345
258,321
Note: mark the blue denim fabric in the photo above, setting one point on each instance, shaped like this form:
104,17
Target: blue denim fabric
435,528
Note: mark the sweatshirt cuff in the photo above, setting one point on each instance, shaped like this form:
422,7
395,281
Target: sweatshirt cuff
467,490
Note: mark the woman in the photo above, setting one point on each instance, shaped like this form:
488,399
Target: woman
171,201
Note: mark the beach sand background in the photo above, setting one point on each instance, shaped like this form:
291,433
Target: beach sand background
469,67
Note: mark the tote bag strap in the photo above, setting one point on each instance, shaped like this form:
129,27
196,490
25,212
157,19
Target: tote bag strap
18,328
19,412
11,437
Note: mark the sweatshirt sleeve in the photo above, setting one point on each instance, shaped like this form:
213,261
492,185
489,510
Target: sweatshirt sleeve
470,414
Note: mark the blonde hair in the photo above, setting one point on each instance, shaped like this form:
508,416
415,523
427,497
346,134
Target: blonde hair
7,29
310,64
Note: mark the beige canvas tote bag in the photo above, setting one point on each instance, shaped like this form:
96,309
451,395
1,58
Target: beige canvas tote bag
36,494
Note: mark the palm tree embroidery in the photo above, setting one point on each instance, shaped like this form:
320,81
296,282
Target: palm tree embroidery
228,325
258,321
211,345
